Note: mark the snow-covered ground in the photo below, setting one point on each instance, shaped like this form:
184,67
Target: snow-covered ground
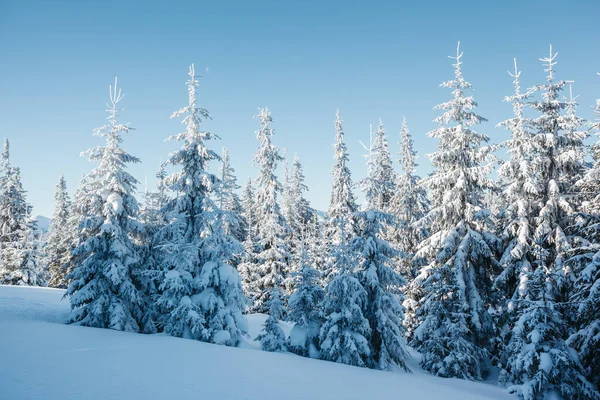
41,358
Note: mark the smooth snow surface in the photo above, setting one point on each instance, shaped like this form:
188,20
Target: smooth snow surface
41,358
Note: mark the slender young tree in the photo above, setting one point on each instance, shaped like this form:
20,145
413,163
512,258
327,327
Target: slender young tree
154,219
58,245
455,328
229,200
200,297
300,211
343,202
408,205
103,291
380,184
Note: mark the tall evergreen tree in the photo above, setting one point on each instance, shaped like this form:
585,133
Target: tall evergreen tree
408,205
455,327
383,308
103,291
58,244
343,202
585,263
271,259
520,190
539,360
342,205
200,291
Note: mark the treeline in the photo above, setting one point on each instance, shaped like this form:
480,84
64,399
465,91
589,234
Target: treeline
473,273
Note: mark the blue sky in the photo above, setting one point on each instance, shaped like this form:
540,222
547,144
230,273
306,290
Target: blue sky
302,59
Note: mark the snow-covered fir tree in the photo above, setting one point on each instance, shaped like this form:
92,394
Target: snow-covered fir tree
375,257
221,297
20,257
58,245
23,266
151,208
230,201
584,261
301,214
154,218
248,202
200,296
538,359
248,262
379,185
383,308
270,261
520,192
540,362
342,204
345,333
84,204
408,205
103,290
304,307
272,337
454,326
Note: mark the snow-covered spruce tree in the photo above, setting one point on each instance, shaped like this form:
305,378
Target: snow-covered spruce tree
454,326
585,263
248,208
379,186
221,297
230,201
345,333
342,205
85,203
271,259
103,291
408,205
151,209
521,191
20,262
200,296
58,245
247,268
23,259
304,307
301,214
154,218
383,308
539,361
272,337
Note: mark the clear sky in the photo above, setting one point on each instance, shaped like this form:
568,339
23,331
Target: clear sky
302,59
